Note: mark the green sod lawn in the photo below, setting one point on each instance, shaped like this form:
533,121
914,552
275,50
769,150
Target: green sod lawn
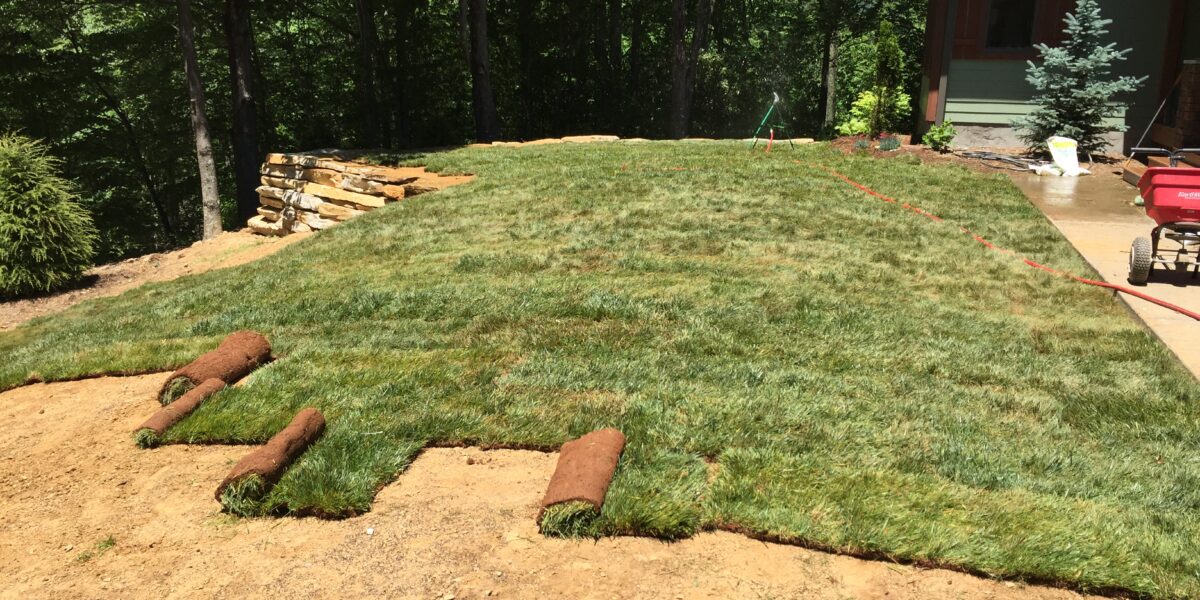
787,356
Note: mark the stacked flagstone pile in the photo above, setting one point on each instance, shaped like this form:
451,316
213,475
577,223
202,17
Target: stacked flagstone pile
306,192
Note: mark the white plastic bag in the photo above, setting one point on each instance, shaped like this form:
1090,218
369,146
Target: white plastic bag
1065,152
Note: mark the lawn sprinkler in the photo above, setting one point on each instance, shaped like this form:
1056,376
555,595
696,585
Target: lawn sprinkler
1172,198
774,109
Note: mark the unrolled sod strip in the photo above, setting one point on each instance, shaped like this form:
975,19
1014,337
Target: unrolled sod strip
150,432
580,482
254,475
237,355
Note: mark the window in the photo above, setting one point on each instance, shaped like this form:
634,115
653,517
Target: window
1010,24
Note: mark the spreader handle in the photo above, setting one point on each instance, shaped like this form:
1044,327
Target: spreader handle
1162,151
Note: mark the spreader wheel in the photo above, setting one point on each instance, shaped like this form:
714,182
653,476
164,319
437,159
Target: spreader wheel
1141,257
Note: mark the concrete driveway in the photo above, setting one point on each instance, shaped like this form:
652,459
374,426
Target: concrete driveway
1096,214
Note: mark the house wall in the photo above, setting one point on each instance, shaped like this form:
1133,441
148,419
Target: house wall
1191,33
986,93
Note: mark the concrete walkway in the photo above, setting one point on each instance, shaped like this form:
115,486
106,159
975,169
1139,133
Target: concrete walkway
1096,215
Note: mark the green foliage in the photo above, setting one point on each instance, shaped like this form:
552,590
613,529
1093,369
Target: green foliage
569,519
867,107
100,82
888,62
940,137
889,143
1076,89
100,548
46,238
799,359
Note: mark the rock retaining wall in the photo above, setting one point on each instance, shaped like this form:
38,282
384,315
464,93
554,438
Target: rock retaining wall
311,191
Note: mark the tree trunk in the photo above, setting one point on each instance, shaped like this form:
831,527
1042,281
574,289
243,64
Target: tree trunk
405,11
677,119
635,66
368,93
830,23
684,60
483,100
526,13
464,29
210,200
615,84
242,74
830,82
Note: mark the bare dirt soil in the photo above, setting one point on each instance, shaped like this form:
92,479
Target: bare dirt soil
86,514
227,250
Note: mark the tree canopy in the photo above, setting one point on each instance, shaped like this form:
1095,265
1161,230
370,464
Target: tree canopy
102,82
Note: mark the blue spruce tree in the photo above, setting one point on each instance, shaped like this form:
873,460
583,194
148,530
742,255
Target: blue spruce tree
1076,86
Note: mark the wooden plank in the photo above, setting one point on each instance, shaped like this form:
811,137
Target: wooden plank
1133,172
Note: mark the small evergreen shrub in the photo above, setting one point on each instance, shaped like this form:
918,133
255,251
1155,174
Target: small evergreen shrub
1075,85
859,120
888,143
939,137
46,238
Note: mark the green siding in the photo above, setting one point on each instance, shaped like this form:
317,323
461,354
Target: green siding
981,112
992,92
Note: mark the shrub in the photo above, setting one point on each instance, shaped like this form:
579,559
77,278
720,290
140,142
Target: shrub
859,121
889,143
889,60
939,137
46,238
1075,85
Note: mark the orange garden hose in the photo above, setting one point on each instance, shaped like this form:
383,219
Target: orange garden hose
1034,264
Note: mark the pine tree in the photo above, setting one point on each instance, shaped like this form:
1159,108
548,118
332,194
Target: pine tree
46,238
1075,84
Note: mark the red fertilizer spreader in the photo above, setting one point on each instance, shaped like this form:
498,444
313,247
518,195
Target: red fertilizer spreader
1172,198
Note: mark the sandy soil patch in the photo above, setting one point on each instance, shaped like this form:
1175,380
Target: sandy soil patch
230,249
458,524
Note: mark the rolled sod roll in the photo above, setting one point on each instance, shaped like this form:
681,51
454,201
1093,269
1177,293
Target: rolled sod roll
234,358
148,433
266,464
585,470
